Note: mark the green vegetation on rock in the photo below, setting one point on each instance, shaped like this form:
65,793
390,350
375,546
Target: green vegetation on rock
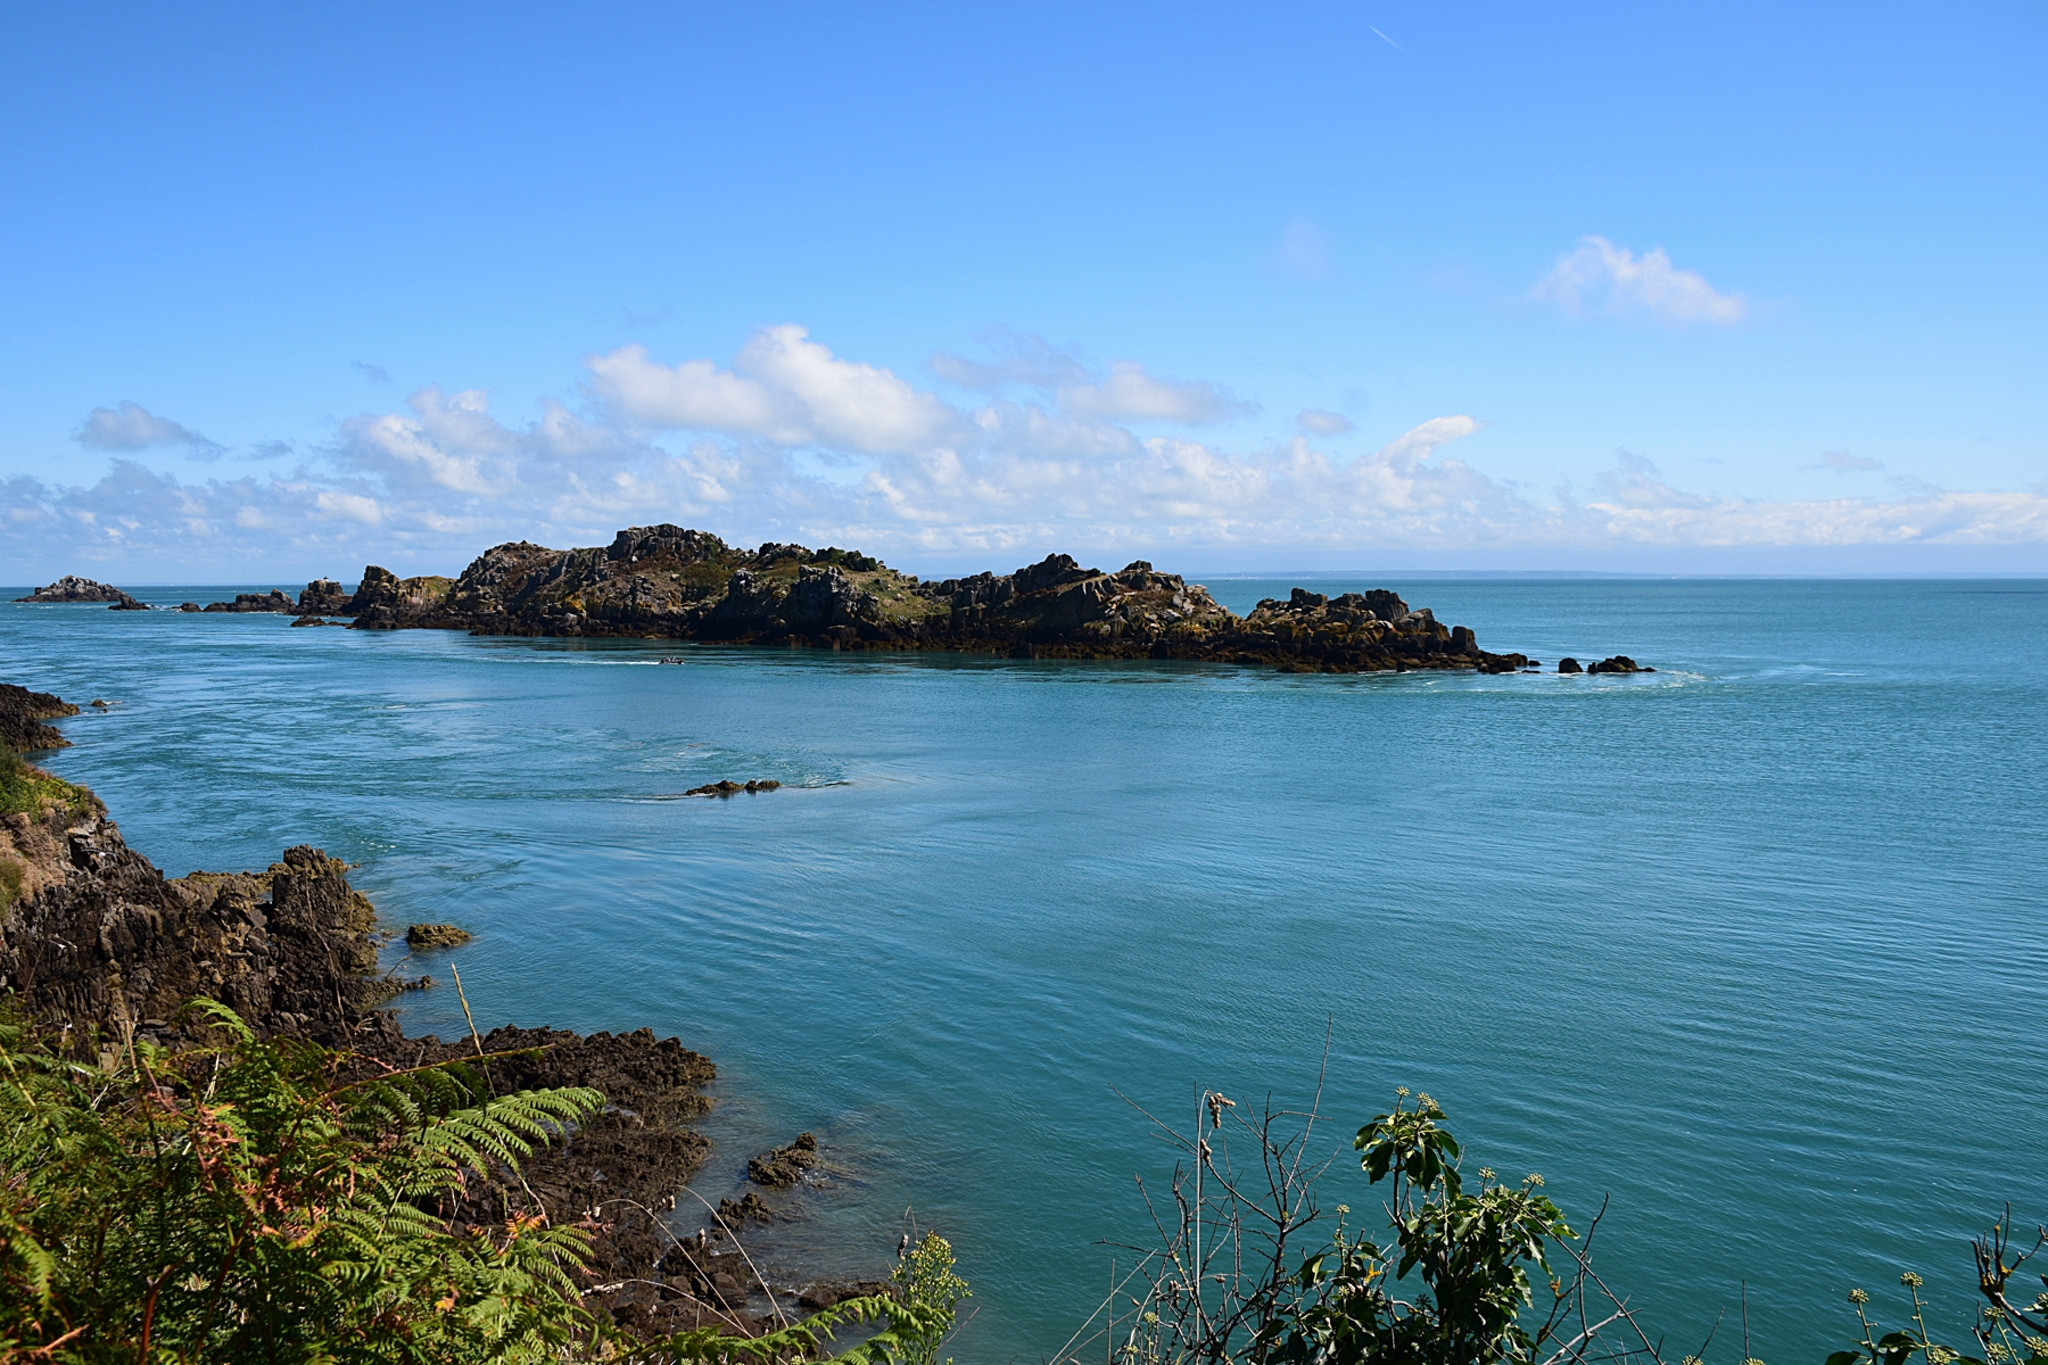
28,790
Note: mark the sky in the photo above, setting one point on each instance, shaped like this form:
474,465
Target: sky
1658,288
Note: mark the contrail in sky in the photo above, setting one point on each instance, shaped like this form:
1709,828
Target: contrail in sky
1390,42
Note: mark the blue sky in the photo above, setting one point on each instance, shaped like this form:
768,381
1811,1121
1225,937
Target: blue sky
1674,287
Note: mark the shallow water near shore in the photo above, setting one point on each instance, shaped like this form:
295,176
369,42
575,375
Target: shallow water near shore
1753,945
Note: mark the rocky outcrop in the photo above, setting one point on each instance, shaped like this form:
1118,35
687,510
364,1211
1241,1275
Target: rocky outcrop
383,599
322,597
274,600
72,588
1619,663
22,714
97,941
668,582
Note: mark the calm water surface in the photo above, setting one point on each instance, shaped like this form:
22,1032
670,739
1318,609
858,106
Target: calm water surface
1754,945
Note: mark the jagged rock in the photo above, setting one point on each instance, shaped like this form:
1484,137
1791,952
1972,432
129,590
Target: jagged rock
435,936
727,787
323,597
99,940
784,1166
274,600
21,715
72,588
1620,663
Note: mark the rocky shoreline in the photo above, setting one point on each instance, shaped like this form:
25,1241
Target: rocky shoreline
99,946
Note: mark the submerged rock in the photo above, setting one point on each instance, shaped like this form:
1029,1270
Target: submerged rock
1620,663
728,787
435,936
782,1167
748,1208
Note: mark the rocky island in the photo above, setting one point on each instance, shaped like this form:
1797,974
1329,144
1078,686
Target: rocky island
667,582
72,588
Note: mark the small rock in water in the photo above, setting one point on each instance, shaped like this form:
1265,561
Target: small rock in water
784,1166
1569,665
1620,663
435,936
750,1208
731,788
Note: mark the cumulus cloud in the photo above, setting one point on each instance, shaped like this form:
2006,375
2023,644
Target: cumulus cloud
1601,277
131,426
1842,462
1318,422
782,387
793,442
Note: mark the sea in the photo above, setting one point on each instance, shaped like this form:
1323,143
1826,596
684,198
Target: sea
1746,956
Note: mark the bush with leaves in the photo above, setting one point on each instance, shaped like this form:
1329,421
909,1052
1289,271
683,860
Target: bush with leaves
236,1200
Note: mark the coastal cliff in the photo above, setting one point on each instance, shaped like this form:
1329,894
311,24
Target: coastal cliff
667,582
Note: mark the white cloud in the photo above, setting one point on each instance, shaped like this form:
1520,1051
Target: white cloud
783,387
1128,392
894,470
131,426
849,404
1319,422
1601,276
695,395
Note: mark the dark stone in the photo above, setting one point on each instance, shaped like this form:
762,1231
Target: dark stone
274,600
323,597
727,787
784,1166
1569,665
749,1208
1620,663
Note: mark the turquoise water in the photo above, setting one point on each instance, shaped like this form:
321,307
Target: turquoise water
1753,945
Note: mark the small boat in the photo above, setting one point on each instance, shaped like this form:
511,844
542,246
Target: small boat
671,658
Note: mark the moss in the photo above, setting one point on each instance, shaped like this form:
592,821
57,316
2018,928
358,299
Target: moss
10,882
26,790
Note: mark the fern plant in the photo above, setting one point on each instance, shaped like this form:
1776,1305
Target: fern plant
236,1201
